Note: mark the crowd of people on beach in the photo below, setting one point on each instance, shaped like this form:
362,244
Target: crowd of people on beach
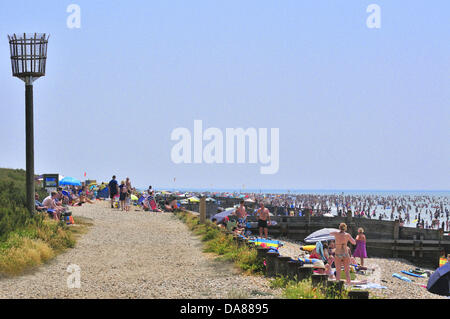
421,211
123,193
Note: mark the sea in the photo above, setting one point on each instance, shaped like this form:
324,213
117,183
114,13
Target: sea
437,193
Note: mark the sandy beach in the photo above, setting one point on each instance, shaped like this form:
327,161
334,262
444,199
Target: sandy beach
383,268
136,255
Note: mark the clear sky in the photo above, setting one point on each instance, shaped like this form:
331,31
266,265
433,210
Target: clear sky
357,108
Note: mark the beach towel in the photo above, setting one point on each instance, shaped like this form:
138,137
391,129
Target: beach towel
268,243
412,274
402,278
308,260
319,249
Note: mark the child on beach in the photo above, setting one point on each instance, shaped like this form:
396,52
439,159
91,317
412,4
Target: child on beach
360,250
123,195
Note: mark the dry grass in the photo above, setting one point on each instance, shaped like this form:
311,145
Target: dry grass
27,254
34,245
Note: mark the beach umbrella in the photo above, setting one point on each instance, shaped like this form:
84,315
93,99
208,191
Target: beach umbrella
220,216
328,215
439,282
210,199
70,181
321,235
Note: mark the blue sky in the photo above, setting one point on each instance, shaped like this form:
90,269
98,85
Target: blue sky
357,108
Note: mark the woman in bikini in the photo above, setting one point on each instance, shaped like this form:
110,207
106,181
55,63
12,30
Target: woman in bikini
342,257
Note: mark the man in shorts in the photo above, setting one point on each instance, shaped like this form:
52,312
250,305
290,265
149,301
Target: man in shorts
113,190
263,216
241,214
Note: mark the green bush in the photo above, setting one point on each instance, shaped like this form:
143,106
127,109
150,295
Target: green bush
13,212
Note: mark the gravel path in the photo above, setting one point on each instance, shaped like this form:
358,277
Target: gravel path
136,255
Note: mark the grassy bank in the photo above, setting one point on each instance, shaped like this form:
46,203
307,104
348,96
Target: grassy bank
219,242
27,241
304,290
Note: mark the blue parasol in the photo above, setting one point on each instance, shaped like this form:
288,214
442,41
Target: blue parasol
70,181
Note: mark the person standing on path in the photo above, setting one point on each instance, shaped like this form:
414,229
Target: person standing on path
263,216
360,250
342,257
113,189
128,199
123,195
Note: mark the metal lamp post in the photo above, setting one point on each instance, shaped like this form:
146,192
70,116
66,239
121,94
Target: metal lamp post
28,61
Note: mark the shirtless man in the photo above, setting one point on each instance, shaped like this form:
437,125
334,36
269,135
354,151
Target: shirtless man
241,213
263,216
342,257
49,203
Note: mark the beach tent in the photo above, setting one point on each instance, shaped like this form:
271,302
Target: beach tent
439,282
321,235
70,181
328,215
103,193
220,216
209,199
134,197
194,199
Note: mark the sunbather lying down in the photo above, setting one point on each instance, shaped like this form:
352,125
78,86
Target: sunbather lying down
171,205
82,200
